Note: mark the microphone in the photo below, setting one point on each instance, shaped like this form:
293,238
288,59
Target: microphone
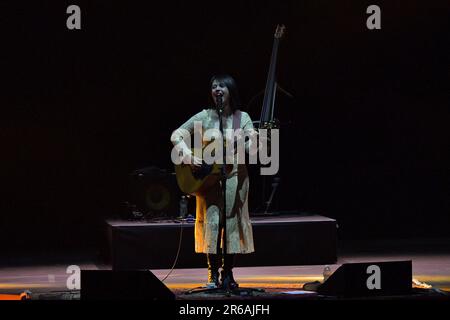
219,102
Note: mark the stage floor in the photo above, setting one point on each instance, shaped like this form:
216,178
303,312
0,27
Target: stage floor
48,280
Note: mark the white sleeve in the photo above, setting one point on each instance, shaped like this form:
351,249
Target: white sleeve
184,132
249,131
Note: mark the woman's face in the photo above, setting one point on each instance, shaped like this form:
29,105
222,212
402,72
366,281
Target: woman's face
218,88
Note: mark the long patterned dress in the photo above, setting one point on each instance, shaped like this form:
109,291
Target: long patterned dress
209,205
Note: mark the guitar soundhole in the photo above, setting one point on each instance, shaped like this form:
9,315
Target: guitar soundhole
203,171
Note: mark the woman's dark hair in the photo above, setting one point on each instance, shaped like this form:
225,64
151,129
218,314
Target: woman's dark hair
228,81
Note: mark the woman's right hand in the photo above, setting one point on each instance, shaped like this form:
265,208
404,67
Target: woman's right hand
194,162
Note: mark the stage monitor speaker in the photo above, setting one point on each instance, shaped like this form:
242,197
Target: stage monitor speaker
369,279
123,285
155,192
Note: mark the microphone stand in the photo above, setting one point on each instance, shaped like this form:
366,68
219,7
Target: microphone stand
223,221
226,286
223,218
223,214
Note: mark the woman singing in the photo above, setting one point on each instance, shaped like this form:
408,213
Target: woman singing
208,225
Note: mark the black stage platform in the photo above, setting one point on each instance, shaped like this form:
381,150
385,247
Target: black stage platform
295,239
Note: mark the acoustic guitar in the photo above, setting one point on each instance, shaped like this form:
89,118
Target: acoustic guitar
196,182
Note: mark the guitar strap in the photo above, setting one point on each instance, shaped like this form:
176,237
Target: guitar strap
236,125
236,119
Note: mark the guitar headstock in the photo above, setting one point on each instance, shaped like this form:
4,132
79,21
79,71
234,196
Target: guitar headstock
280,31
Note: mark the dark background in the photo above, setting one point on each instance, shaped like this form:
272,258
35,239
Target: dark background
365,137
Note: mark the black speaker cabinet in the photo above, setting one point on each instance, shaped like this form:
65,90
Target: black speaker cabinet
123,285
369,279
155,192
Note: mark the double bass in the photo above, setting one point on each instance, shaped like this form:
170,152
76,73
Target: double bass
267,120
